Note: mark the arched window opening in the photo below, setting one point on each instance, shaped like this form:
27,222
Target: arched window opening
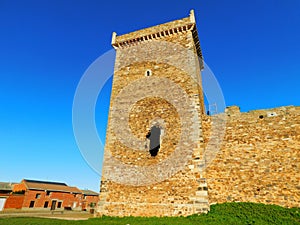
148,73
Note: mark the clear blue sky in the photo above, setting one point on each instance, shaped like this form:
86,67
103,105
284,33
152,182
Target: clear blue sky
45,47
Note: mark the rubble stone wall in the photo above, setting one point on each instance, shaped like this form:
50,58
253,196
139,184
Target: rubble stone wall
259,160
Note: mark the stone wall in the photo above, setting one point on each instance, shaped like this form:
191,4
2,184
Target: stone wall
259,160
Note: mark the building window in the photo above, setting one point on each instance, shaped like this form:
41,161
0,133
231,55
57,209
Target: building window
59,205
48,193
37,196
148,73
31,205
46,204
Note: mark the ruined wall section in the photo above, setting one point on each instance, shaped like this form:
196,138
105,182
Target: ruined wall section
259,160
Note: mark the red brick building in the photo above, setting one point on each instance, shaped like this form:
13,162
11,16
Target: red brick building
5,191
90,199
44,195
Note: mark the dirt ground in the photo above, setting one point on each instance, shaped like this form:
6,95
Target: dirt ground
66,215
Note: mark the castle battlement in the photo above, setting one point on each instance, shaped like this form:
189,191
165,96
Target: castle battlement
159,32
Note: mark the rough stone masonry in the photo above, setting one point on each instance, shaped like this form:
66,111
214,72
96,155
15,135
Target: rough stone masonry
157,83
259,159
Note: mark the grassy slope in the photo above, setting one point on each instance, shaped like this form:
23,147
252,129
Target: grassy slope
228,213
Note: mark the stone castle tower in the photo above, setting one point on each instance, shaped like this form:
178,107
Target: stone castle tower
154,142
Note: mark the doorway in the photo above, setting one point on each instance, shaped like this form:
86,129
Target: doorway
53,205
2,203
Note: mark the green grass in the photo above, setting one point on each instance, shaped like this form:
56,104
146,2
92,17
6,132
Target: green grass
227,213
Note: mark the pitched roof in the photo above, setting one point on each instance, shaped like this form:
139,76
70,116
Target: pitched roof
45,182
50,186
89,192
6,186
